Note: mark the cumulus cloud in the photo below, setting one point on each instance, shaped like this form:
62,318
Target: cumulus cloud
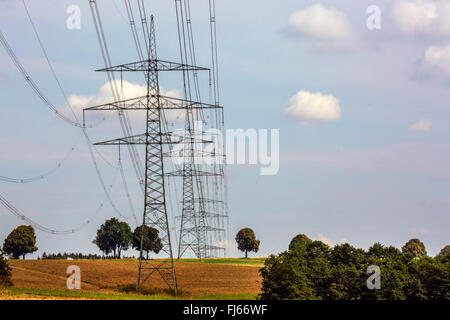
421,126
325,240
328,241
309,108
434,66
324,26
418,231
230,247
422,17
127,90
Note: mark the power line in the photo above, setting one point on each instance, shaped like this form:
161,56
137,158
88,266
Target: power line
47,102
43,175
33,85
12,209
123,118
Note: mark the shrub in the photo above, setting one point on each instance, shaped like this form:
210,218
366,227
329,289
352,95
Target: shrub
5,272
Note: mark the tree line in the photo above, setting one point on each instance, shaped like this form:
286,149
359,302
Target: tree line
65,256
311,270
112,238
308,270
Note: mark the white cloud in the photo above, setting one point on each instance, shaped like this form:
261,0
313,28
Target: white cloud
127,90
419,231
325,240
230,246
434,66
328,241
426,17
421,126
310,108
326,27
320,22
413,16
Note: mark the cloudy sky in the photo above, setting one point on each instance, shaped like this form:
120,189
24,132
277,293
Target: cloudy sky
362,113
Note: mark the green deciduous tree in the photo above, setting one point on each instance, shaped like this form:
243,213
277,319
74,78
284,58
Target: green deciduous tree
246,241
444,250
415,247
380,251
114,236
5,272
20,242
151,240
285,277
315,271
430,278
299,238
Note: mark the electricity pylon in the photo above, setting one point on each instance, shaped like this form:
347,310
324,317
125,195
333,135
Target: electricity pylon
154,139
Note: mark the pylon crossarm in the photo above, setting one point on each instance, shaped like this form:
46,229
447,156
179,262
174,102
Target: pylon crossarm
154,65
139,103
166,138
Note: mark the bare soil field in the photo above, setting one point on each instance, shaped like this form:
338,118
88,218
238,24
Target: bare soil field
104,275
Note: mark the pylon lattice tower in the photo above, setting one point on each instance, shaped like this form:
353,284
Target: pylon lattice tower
155,139
202,228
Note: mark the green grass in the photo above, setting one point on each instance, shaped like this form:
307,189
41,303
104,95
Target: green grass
248,296
87,295
125,296
146,291
243,261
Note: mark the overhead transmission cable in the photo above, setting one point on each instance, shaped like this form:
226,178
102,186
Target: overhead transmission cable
5,203
123,118
88,141
46,101
43,175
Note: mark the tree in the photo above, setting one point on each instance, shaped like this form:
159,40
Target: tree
246,241
415,247
314,271
20,242
380,251
5,272
114,236
445,250
285,277
430,278
152,241
299,238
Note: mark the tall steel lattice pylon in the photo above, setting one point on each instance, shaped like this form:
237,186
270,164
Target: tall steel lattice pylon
155,139
192,230
201,227
155,211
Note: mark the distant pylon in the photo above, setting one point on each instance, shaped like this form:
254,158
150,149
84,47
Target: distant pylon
154,139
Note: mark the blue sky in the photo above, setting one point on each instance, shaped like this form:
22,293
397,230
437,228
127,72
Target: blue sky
376,172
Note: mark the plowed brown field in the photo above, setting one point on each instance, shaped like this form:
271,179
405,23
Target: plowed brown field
105,275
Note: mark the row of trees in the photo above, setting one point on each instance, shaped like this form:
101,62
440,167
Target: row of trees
115,236
65,256
312,270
